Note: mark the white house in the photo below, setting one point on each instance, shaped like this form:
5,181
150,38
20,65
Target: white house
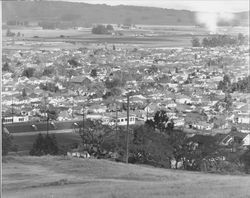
15,119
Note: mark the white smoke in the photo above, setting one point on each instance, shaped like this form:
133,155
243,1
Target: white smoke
211,19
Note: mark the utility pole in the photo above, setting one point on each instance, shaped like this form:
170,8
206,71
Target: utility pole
47,114
12,110
82,118
47,123
127,138
116,126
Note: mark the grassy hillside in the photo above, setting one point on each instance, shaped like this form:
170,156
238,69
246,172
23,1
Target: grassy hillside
82,13
64,177
87,13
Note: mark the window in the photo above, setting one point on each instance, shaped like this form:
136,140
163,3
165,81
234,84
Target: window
20,119
8,120
126,119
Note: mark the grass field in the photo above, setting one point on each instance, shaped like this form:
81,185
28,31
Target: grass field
153,37
25,142
63,177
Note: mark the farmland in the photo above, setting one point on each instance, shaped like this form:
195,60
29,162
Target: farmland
66,177
145,36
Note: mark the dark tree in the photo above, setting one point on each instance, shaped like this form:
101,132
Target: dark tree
161,122
93,73
109,27
45,145
100,29
196,42
200,148
24,94
150,147
6,142
48,71
245,158
93,134
74,62
28,72
6,67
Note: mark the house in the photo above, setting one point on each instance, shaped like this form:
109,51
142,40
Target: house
80,80
121,119
243,118
201,125
235,137
15,119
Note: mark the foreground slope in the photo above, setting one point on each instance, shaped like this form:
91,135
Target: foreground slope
66,177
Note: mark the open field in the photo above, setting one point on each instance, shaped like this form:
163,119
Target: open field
146,37
25,142
66,177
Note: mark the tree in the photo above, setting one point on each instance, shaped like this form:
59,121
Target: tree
93,73
9,33
100,29
45,145
6,67
161,122
178,140
48,71
198,149
150,147
6,142
109,27
29,72
93,134
73,62
196,42
24,94
245,158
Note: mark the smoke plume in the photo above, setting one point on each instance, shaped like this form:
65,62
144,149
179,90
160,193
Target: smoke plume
210,19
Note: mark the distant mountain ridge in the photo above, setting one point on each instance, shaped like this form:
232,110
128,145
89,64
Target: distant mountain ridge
83,13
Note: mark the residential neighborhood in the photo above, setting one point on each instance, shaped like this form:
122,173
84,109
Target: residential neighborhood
95,82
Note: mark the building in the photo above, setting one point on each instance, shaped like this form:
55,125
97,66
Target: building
15,119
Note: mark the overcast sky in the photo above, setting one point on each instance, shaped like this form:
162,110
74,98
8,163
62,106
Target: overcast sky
194,5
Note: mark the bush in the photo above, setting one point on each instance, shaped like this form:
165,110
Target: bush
6,143
196,42
245,158
100,29
45,145
28,72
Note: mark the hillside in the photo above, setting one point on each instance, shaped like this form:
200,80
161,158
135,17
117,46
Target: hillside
64,177
82,13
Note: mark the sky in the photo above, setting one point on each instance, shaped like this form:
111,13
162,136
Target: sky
221,6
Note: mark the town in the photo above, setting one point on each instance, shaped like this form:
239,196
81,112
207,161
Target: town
125,99
95,82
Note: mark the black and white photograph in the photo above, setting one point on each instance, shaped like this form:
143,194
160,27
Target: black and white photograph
125,99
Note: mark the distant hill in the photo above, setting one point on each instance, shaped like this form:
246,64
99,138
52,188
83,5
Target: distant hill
82,13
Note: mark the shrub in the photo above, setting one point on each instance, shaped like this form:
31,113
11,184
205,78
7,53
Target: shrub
45,145
6,142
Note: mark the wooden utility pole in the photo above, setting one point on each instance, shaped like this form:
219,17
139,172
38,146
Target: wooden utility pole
82,118
127,137
47,123
12,110
116,126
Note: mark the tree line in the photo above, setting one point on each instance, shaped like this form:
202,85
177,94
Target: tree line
156,143
220,41
242,85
